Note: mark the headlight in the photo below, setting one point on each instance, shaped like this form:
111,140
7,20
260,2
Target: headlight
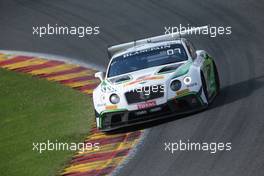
175,85
187,80
114,98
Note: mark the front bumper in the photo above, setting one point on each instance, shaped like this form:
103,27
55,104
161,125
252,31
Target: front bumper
123,118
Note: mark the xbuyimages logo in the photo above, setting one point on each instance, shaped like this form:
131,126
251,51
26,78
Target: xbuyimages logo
62,146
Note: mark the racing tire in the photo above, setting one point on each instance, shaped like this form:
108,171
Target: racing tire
204,85
217,80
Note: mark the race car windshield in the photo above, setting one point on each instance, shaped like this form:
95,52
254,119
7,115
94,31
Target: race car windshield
143,59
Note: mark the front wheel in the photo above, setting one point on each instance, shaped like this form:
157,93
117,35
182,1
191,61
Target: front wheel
96,114
204,85
217,80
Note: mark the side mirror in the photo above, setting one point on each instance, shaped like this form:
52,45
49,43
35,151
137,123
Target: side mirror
99,75
201,53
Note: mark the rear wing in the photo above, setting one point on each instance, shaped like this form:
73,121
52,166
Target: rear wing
166,37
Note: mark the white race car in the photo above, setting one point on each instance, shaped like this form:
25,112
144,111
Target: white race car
152,79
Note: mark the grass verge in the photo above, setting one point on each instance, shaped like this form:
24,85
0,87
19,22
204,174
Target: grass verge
35,110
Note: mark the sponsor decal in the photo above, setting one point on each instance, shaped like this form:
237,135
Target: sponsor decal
144,79
143,82
147,50
102,98
155,109
100,105
110,107
147,104
182,92
105,87
192,84
141,112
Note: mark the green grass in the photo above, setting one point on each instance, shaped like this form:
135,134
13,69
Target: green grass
35,110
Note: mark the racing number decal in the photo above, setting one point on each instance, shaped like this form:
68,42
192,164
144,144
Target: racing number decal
173,51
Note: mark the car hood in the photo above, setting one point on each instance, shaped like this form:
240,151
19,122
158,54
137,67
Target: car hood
145,77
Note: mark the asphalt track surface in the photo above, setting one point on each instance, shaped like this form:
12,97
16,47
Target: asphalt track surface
237,114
